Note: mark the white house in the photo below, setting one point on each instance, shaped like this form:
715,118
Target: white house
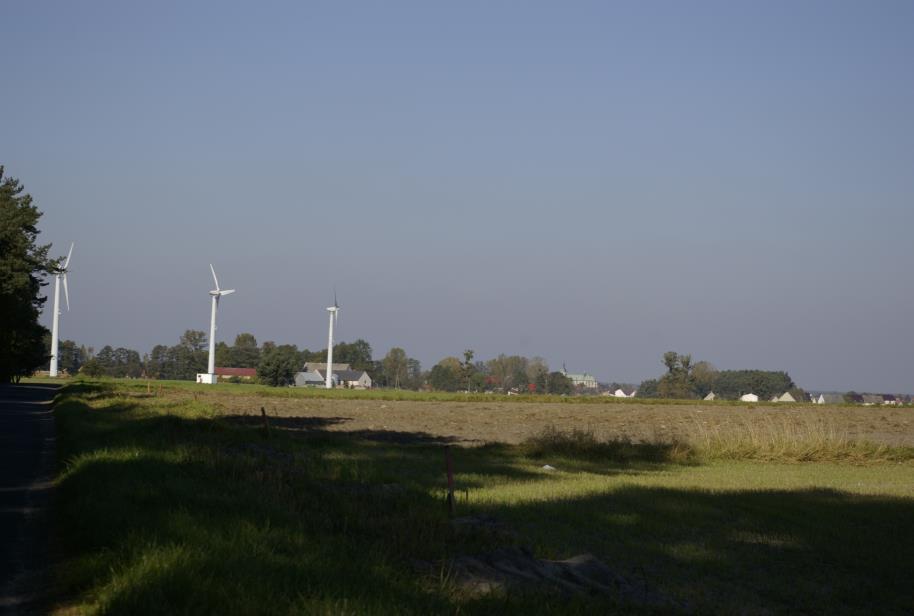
785,397
350,379
711,396
748,398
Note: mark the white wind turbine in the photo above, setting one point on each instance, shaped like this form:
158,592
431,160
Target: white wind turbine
55,330
216,294
334,311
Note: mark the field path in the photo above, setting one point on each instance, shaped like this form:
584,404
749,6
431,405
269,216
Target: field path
27,465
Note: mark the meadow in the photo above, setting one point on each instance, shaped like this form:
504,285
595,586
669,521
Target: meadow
190,499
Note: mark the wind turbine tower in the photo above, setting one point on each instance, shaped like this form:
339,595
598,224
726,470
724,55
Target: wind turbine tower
210,376
55,329
334,311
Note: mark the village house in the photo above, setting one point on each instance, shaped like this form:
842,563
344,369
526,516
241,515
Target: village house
350,379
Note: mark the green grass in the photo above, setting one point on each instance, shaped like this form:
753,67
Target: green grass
265,391
166,506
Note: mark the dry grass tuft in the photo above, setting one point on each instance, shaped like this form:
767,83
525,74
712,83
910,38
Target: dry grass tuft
807,439
769,440
584,444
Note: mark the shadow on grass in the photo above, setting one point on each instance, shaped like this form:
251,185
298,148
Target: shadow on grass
803,551
168,514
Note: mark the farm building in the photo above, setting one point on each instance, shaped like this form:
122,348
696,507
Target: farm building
710,396
308,379
785,397
313,366
245,374
748,398
829,399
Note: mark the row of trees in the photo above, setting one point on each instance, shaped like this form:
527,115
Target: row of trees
687,379
277,364
505,373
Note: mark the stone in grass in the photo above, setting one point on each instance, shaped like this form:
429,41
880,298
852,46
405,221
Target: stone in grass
548,467
516,569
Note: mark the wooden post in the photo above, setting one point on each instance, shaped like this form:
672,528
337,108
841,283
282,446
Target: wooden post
451,505
266,421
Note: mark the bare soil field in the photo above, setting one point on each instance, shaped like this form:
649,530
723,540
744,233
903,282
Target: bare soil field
476,423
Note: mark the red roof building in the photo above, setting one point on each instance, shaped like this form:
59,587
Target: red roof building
244,373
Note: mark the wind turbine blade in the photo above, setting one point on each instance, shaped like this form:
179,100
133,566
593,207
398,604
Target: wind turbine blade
66,291
335,303
216,280
227,292
66,263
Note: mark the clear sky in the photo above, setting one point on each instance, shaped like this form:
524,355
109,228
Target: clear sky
592,182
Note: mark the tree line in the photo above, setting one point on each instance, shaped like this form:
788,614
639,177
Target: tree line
686,379
277,364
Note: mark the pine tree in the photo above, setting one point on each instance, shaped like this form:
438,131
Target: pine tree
23,266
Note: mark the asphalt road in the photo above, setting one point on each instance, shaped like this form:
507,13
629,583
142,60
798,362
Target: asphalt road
27,465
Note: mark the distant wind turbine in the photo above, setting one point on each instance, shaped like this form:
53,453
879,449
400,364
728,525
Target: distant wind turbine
61,274
216,294
334,311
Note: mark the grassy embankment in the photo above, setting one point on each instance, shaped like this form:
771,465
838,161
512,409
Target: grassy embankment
168,506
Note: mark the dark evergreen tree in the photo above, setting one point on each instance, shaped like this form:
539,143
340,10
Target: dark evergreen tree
23,266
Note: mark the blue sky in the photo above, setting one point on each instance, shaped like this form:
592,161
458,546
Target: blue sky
592,182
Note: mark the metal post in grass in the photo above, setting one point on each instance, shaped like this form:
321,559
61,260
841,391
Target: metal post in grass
451,504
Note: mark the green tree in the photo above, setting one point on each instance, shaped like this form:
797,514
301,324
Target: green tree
71,356
357,354
224,355
23,267
649,389
92,369
676,383
467,369
558,383
245,354
703,376
413,374
278,366
394,367
446,374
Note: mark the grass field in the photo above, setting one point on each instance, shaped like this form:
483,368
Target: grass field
181,500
